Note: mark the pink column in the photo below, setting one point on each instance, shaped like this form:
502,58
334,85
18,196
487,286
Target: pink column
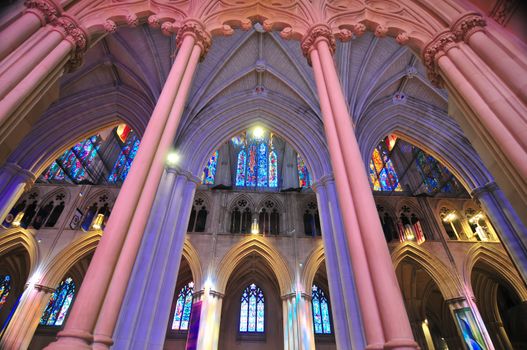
19,31
369,310
112,303
81,321
396,325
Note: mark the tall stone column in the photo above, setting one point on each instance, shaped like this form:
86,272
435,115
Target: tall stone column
154,275
356,201
110,310
85,311
347,324
209,324
462,303
297,322
26,317
14,180
508,225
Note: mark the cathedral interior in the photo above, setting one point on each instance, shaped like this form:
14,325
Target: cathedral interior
263,175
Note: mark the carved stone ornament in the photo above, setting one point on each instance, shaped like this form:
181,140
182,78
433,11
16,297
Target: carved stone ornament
153,21
381,31
433,50
132,20
317,31
197,29
467,25
46,9
246,24
402,38
110,26
344,35
72,31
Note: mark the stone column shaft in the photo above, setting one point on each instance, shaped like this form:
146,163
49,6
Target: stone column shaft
83,316
210,320
18,32
13,182
370,312
117,289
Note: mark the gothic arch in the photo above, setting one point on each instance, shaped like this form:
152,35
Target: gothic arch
19,237
272,198
311,266
242,197
254,245
500,263
192,256
448,285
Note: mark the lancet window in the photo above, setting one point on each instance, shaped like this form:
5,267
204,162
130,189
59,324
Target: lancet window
181,319
389,228
198,216
96,214
241,217
269,218
209,172
312,220
452,223
381,170
409,226
320,307
129,143
481,228
252,310
5,288
304,180
59,304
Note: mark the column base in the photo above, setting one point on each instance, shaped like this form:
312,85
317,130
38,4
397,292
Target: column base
71,339
101,342
401,344
374,347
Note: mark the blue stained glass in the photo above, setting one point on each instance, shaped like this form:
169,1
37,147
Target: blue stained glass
251,167
240,168
59,303
252,310
382,173
5,287
435,176
209,172
124,161
303,175
273,169
181,318
320,305
262,165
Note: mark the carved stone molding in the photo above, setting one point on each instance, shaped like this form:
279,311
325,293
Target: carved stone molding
72,31
435,49
197,29
316,32
47,10
467,25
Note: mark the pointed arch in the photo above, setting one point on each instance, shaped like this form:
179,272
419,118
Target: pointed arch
446,281
500,263
311,266
246,247
192,256
19,237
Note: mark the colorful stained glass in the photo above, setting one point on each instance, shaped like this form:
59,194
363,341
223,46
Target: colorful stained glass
252,310
209,172
181,319
382,173
124,161
262,165
5,287
250,181
390,141
122,132
273,169
240,168
320,306
435,176
304,179
58,306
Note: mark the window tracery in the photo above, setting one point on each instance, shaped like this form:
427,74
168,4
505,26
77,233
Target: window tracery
198,216
181,319
321,313
311,220
241,217
252,310
59,304
257,161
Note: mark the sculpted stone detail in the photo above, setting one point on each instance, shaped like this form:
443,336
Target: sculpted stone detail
154,22
246,24
197,29
167,28
344,35
110,26
468,25
381,31
402,38
72,31
132,20
503,10
46,9
313,34
433,50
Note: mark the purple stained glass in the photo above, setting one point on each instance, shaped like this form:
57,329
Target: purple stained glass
209,172
59,304
303,174
5,287
273,169
240,168
252,310
183,309
124,161
262,165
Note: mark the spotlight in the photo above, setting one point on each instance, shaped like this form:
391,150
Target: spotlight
173,158
258,132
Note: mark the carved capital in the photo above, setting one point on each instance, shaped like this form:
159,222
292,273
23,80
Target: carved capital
435,49
73,32
315,33
47,10
197,29
154,21
110,26
467,25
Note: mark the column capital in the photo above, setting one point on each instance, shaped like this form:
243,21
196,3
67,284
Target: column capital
46,10
467,25
73,32
16,170
487,188
198,30
434,50
323,181
314,34
182,172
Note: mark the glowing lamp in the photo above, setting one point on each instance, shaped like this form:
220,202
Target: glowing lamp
258,132
173,158
97,223
255,229
450,217
17,219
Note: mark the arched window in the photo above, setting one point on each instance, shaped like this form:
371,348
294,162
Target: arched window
382,173
321,318
198,216
451,223
97,214
129,146
304,180
435,176
388,224
59,304
5,287
257,164
481,228
181,319
269,218
312,220
409,226
252,310
241,217
209,172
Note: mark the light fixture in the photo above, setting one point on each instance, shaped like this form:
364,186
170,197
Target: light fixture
450,217
255,229
173,158
97,223
18,219
258,132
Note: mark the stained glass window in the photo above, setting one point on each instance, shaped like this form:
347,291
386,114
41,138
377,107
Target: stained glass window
252,310
74,164
209,172
435,176
321,319
304,179
262,165
126,157
240,168
181,319
273,169
251,167
381,170
57,309
5,287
